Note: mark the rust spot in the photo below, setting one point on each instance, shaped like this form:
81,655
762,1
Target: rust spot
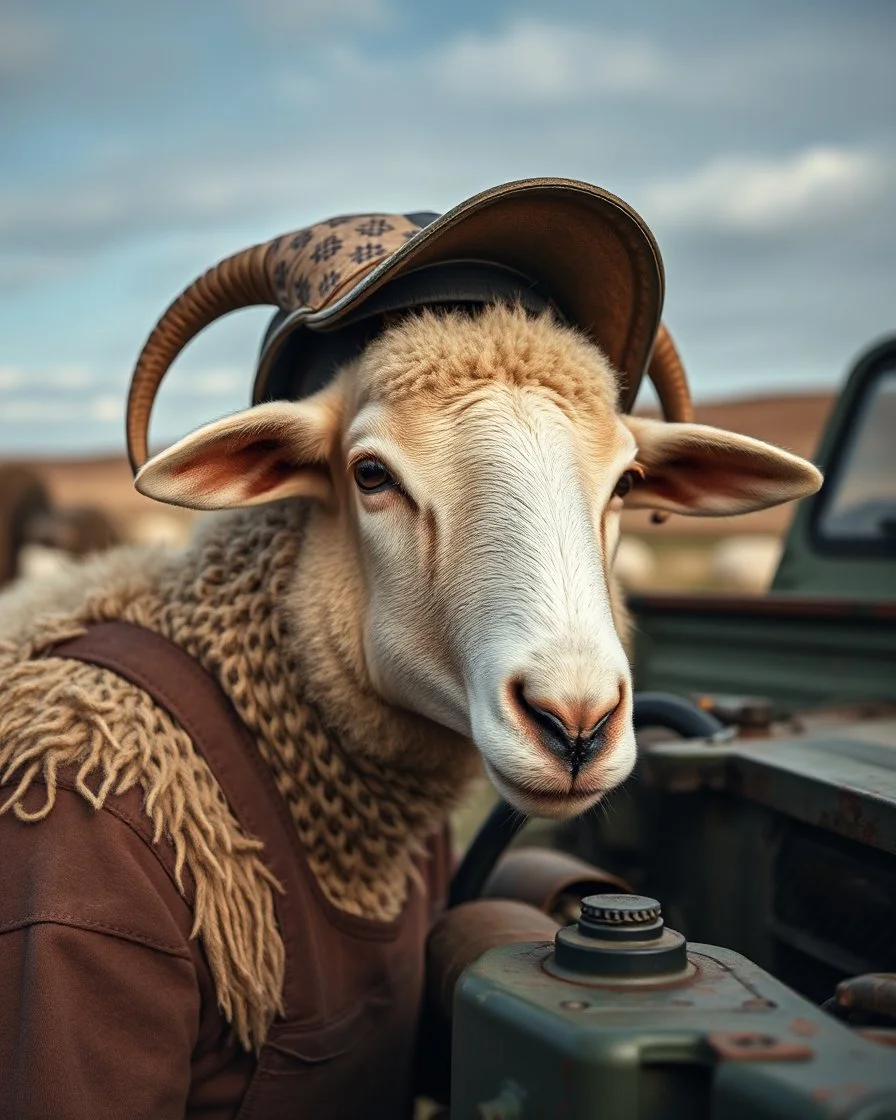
821,1095
855,1089
875,991
847,820
755,785
884,1036
803,1028
756,1046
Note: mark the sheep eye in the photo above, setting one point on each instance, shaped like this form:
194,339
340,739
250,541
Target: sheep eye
624,485
371,476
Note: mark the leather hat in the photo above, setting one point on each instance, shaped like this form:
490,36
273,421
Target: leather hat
541,242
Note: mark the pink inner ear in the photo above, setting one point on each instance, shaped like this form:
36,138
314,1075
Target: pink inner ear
271,475
259,465
684,477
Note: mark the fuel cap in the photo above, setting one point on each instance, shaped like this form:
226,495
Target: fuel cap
624,915
620,935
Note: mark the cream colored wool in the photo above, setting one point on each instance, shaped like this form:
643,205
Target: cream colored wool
361,810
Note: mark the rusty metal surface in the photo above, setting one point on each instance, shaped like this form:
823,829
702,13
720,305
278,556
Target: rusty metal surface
751,715
839,777
540,877
875,992
882,1035
734,1042
463,933
797,660
755,1046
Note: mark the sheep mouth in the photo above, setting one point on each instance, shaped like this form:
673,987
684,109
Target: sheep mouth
545,802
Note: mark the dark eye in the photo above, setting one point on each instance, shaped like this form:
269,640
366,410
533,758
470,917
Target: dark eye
625,483
371,476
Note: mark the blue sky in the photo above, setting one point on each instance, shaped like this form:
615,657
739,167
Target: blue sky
143,141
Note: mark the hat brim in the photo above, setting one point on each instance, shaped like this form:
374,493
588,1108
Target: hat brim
592,252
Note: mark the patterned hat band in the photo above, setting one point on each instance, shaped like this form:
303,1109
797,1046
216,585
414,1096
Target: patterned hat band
310,268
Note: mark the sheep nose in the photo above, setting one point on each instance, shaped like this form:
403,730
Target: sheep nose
576,734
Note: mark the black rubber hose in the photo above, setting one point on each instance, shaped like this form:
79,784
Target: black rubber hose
649,709
486,848
663,709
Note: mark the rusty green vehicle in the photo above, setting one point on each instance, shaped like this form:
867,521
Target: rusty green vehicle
747,968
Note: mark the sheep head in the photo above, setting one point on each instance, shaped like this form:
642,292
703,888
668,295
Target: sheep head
469,471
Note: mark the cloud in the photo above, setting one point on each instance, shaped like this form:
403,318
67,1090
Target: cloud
128,201
310,17
19,270
69,377
11,378
103,408
61,377
198,382
759,144
754,194
534,61
49,411
340,130
213,383
28,43
106,409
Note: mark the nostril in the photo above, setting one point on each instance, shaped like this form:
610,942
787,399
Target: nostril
547,720
573,745
601,723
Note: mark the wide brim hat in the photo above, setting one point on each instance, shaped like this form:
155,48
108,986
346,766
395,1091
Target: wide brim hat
540,242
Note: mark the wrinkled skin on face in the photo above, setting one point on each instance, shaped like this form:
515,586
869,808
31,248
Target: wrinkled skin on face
470,474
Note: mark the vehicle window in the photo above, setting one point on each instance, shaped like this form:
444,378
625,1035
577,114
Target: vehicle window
862,504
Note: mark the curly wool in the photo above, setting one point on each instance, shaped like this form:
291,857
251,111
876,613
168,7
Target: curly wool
361,822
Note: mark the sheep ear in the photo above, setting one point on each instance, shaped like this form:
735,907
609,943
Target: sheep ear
274,450
695,469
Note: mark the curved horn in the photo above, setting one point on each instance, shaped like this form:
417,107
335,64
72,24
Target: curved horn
666,371
254,276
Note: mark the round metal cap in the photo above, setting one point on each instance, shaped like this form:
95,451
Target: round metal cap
620,935
621,909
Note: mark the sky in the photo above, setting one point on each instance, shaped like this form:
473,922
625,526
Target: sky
141,142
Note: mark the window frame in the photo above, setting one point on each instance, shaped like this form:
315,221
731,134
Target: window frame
851,547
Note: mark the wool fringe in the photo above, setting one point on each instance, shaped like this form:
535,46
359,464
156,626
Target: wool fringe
56,713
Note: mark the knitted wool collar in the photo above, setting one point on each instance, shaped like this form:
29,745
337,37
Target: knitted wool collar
361,821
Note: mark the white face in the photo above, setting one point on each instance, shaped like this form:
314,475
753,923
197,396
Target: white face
486,532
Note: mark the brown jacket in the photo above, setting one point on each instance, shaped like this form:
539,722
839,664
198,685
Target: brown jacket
108,1007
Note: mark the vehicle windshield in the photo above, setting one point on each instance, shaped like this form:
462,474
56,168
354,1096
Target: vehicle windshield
862,505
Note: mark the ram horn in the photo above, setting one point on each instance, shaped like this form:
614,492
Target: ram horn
666,371
244,280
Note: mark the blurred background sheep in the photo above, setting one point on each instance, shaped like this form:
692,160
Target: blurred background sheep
41,533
